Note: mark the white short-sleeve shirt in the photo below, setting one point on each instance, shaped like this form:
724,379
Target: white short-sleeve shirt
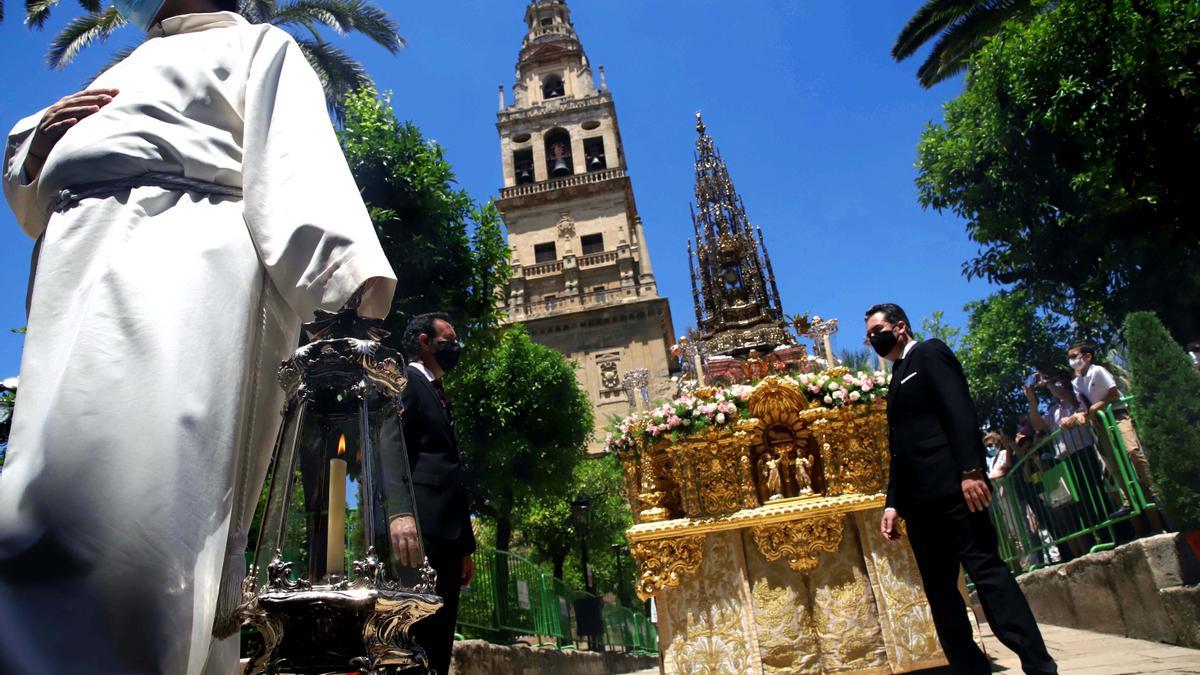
1093,385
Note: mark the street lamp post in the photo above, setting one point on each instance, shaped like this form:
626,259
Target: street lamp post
619,552
581,509
589,614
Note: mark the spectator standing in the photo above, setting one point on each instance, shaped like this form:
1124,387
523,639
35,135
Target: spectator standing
1095,388
1074,449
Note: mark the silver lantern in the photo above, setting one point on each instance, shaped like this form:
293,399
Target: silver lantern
325,590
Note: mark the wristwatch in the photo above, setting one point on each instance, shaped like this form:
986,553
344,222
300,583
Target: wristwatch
974,474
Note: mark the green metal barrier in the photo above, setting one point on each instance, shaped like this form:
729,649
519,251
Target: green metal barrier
1040,505
512,600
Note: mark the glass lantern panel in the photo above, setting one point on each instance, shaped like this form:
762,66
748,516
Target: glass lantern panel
339,475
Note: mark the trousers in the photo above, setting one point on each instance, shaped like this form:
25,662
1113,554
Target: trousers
946,535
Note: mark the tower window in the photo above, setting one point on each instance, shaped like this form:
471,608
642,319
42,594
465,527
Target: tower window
593,152
552,86
544,253
523,166
558,153
547,20
592,243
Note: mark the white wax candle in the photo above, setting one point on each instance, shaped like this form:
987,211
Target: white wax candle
335,550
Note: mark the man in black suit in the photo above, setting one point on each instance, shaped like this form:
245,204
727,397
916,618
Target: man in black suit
442,502
938,485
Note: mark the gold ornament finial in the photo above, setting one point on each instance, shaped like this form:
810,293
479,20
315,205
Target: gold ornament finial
699,124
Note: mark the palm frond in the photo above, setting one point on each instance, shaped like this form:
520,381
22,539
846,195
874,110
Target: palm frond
964,37
257,11
80,33
932,18
338,72
344,17
37,11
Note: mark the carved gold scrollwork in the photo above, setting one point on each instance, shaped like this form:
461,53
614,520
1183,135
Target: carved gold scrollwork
801,541
854,441
708,469
659,496
776,402
662,562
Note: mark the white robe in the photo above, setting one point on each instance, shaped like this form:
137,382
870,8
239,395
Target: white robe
157,320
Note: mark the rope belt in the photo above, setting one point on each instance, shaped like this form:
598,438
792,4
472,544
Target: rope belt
69,197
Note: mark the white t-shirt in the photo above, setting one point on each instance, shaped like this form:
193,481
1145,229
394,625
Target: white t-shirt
1093,386
997,461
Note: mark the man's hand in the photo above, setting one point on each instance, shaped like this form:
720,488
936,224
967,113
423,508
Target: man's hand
890,525
468,571
406,543
977,493
58,119
1076,420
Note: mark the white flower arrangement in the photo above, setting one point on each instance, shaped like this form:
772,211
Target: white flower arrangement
690,414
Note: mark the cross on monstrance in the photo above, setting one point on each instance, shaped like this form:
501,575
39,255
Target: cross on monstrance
691,362
637,383
819,331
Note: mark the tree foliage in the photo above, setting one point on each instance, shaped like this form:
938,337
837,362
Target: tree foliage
1167,402
934,326
961,27
1006,338
546,526
1068,154
448,252
523,422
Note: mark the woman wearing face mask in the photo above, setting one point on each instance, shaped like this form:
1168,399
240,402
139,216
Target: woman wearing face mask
190,208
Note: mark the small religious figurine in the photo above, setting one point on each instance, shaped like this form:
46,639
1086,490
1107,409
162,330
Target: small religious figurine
774,483
753,368
804,474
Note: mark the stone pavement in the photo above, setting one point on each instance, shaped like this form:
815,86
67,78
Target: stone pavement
1081,652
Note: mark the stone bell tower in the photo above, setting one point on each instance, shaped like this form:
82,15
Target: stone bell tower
581,276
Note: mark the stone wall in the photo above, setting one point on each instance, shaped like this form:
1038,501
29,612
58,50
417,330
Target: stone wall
1146,589
476,657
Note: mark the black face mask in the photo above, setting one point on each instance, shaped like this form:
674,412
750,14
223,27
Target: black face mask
446,354
883,342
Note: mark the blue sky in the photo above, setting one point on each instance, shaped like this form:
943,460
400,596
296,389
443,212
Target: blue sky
818,124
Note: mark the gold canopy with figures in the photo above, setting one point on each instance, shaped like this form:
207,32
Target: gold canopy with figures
758,534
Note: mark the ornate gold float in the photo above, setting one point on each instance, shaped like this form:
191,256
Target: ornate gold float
758,537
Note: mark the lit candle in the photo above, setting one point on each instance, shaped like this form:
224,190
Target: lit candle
335,550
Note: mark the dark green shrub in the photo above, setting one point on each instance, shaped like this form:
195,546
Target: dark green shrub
1168,413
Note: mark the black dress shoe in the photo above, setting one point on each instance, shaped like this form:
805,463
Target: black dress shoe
1121,512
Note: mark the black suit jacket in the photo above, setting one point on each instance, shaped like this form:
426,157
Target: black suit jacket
442,503
933,429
